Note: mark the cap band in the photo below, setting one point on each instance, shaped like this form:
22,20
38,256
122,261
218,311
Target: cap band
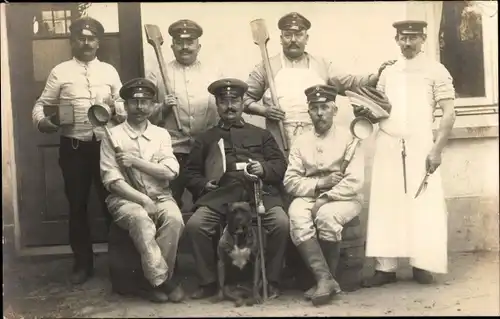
87,32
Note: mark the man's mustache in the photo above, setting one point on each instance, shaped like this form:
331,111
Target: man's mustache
294,46
186,51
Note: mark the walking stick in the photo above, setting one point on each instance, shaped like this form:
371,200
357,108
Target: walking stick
403,158
260,37
257,186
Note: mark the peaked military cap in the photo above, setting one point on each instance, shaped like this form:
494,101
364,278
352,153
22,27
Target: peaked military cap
185,29
294,21
410,26
321,93
138,88
228,88
86,26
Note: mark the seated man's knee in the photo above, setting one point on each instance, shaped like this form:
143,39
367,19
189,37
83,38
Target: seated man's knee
281,220
131,216
200,222
193,225
332,217
297,208
170,214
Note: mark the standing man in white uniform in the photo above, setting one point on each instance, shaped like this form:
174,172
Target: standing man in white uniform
400,225
294,70
189,79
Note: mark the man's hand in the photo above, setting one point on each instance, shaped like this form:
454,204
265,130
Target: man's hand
363,111
273,113
211,185
46,125
169,102
433,161
330,181
384,65
149,205
126,159
317,205
255,168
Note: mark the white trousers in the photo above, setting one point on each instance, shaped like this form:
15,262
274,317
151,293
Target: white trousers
327,223
388,264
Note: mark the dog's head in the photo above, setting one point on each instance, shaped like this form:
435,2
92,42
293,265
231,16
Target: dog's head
239,217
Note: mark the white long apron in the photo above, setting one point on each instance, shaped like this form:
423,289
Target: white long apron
290,86
398,224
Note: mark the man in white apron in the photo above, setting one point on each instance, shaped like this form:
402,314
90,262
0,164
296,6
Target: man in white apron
400,225
294,70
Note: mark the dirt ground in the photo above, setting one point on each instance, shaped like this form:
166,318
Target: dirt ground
38,288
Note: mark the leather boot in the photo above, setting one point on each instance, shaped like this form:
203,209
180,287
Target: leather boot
380,278
153,294
173,290
83,268
331,251
422,276
310,251
205,291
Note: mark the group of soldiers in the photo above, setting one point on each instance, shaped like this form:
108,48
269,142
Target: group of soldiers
306,195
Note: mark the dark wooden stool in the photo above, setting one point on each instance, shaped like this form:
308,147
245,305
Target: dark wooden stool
125,269
352,256
350,267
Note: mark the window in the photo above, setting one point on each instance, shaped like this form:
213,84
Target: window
52,22
54,19
466,39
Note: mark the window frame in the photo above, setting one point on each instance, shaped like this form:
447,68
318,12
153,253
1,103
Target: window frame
489,103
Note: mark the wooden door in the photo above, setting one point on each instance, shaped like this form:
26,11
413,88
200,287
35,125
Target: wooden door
38,38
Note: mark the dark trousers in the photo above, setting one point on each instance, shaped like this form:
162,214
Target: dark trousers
178,185
79,162
202,226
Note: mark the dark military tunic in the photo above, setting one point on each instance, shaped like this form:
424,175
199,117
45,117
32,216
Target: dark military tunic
242,142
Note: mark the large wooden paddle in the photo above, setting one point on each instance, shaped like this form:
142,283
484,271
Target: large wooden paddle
155,38
261,37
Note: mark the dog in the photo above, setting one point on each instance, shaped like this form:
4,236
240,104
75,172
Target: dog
239,249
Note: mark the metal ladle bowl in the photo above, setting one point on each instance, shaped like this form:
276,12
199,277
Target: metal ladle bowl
361,128
99,114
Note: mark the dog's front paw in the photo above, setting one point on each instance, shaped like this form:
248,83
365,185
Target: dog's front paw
255,300
218,297
239,302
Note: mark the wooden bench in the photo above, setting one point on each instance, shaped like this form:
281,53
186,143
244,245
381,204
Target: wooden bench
126,271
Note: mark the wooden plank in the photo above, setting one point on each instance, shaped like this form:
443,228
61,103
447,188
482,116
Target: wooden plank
57,250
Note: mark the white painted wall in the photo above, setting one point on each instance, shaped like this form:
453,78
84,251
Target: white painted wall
357,37
339,32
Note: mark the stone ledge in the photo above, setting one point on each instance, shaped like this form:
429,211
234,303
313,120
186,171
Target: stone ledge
472,126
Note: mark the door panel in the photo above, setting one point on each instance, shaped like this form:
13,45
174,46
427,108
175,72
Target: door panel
38,38
47,54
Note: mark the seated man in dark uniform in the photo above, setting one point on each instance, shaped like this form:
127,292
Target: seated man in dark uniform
238,143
